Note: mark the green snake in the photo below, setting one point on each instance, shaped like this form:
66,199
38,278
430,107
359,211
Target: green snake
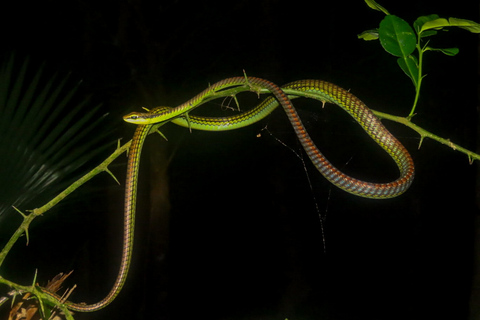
321,90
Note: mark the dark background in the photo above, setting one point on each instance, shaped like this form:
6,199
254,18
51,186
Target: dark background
227,226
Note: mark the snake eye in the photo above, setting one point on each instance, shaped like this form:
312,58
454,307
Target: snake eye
131,117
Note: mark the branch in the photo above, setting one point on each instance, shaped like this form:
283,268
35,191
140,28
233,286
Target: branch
27,219
402,120
41,296
427,134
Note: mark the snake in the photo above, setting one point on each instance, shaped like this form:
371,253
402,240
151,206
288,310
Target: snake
317,89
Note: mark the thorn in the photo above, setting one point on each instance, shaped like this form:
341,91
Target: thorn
188,122
27,236
252,88
245,75
14,296
421,141
119,145
23,215
112,175
236,102
35,278
40,300
161,134
25,229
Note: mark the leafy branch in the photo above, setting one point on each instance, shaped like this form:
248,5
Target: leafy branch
399,39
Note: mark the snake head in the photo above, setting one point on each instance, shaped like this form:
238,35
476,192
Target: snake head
151,117
134,117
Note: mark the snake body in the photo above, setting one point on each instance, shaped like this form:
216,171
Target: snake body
321,90
326,92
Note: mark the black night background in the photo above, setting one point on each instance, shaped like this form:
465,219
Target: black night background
228,224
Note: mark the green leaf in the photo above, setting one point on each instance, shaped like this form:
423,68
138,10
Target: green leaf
469,25
396,36
369,35
428,33
439,23
417,25
436,24
447,51
409,65
375,6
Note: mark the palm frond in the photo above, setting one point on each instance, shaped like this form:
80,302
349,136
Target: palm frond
48,132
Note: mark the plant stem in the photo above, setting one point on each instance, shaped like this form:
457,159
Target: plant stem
419,79
39,211
19,289
427,134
